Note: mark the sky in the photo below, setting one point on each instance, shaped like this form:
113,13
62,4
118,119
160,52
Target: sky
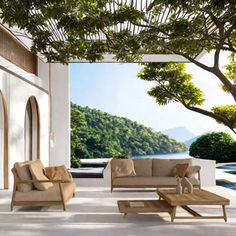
115,88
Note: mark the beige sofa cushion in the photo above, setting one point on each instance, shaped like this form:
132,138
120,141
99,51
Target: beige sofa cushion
57,173
143,166
36,170
164,167
122,167
149,181
52,194
23,173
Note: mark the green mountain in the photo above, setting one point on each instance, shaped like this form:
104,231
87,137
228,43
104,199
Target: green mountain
97,134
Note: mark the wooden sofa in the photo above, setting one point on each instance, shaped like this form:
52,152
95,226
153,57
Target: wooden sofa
150,173
58,194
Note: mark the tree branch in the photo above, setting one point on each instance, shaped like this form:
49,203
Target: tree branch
216,117
203,66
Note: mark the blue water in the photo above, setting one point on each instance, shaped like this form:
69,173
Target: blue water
181,155
227,167
226,184
230,169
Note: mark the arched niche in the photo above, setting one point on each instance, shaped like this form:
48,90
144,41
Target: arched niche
32,130
4,175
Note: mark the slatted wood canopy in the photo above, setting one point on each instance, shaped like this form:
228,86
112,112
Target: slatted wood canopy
58,34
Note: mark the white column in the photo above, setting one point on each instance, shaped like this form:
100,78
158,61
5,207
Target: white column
59,86
1,144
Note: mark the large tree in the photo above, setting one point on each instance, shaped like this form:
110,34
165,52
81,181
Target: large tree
86,29
174,84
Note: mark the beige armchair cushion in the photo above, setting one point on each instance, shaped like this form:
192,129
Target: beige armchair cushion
36,170
122,167
58,173
164,167
52,194
143,167
23,173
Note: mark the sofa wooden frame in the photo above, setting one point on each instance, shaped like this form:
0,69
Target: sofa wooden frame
150,186
62,201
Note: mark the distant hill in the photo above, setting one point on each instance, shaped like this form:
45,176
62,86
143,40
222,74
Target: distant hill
190,141
180,133
97,134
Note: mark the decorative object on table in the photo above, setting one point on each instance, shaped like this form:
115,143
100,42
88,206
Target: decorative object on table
179,189
180,170
185,172
185,183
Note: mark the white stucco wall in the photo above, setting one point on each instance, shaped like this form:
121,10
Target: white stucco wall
60,115
17,86
1,143
208,171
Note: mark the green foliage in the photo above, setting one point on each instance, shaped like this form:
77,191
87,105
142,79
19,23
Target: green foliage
96,134
75,162
228,111
231,68
217,146
186,30
173,83
230,71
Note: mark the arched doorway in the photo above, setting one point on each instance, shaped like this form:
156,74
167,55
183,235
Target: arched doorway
3,143
32,130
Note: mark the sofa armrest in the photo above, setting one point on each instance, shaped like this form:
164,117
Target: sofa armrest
199,177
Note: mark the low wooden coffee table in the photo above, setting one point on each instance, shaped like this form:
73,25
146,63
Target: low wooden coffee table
143,206
198,197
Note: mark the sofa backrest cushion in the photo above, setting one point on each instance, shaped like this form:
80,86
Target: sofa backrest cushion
23,173
164,167
122,167
37,172
143,167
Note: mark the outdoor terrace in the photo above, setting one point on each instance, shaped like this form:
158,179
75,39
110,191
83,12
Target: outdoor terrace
93,211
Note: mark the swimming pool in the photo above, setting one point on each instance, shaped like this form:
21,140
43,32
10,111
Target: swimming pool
229,169
226,184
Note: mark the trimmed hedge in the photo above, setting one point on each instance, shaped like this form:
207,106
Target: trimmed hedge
217,146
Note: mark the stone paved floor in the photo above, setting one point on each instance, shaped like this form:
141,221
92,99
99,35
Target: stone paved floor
93,212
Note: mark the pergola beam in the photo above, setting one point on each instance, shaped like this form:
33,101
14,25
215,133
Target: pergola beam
110,58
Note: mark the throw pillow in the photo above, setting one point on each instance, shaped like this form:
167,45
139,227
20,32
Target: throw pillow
23,173
181,169
58,173
192,171
122,167
36,169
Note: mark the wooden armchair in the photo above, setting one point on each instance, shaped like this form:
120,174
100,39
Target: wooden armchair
59,194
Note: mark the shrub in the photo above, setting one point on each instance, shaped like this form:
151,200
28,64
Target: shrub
217,146
75,162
